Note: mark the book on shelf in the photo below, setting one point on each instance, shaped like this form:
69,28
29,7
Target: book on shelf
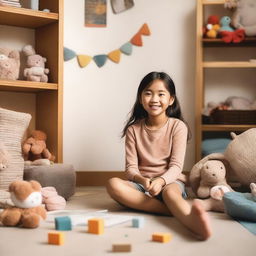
10,3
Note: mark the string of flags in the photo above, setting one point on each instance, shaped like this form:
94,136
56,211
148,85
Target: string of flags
115,55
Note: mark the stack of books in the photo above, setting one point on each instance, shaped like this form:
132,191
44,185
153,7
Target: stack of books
14,3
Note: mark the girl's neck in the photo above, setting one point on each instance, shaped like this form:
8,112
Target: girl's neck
155,123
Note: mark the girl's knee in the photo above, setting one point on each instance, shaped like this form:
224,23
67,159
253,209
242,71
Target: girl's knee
113,186
170,192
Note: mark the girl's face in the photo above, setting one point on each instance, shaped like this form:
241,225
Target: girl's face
155,99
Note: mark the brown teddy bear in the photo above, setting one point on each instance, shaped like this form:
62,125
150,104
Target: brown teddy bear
9,64
208,175
35,151
27,211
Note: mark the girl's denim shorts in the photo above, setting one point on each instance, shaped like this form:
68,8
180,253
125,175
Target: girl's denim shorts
140,188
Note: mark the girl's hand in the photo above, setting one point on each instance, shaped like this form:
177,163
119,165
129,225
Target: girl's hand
156,186
145,182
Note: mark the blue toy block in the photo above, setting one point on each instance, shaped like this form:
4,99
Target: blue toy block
63,223
138,222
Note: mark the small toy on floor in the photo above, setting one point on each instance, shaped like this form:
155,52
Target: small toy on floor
121,247
63,223
161,237
96,226
27,198
56,238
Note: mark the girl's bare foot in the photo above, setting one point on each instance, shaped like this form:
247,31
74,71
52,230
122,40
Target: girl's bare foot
198,221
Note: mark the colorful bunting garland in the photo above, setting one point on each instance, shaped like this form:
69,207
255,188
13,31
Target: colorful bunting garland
115,56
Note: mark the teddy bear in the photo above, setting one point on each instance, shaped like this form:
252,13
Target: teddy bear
35,151
239,159
212,27
211,174
9,64
244,16
35,70
4,157
27,211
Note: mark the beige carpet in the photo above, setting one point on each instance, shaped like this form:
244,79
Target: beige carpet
229,237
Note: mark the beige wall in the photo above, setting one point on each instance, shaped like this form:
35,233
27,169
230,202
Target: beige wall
97,100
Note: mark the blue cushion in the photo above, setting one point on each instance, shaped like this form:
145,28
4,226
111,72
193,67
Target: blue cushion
210,146
240,205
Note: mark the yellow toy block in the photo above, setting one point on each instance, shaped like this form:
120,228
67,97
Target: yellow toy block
161,237
96,226
121,247
56,238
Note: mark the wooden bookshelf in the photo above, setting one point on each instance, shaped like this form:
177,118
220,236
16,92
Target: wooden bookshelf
48,30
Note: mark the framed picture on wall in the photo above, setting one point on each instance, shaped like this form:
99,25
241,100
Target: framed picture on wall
121,5
95,13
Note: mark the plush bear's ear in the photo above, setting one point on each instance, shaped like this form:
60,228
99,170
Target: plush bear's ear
15,55
35,185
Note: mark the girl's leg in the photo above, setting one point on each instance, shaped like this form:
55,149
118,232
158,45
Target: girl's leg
194,217
124,192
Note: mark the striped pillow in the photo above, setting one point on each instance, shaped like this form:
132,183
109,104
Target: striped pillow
12,128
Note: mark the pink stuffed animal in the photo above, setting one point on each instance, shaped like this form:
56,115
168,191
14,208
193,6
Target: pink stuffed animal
52,200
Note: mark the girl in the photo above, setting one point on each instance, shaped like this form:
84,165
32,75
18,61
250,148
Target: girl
155,144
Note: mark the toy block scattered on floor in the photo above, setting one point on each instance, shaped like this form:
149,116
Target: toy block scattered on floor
56,238
138,222
63,223
96,226
121,247
161,237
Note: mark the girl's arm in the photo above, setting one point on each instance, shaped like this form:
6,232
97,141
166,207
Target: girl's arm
179,144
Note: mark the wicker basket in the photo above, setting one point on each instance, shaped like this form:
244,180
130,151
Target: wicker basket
233,117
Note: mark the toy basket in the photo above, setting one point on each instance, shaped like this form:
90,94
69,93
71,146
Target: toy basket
233,117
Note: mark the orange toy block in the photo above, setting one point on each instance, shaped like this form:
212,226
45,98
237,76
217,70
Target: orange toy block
161,237
96,226
121,247
56,238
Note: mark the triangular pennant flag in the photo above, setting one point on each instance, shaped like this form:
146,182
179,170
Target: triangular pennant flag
83,60
136,40
145,30
126,48
115,56
100,60
68,54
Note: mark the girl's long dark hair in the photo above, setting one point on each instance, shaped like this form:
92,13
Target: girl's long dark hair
138,112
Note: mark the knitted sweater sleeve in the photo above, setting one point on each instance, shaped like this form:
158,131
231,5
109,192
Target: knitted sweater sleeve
179,144
131,158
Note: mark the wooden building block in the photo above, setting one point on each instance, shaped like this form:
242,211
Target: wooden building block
63,223
56,238
161,237
96,226
138,222
121,247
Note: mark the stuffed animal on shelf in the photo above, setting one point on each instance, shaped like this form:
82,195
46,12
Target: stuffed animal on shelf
52,200
209,174
9,64
212,27
35,151
244,17
27,211
35,70
4,157
228,34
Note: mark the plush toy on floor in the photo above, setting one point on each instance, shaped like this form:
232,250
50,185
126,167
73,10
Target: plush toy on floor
52,200
4,157
35,70
208,176
27,211
35,151
9,64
